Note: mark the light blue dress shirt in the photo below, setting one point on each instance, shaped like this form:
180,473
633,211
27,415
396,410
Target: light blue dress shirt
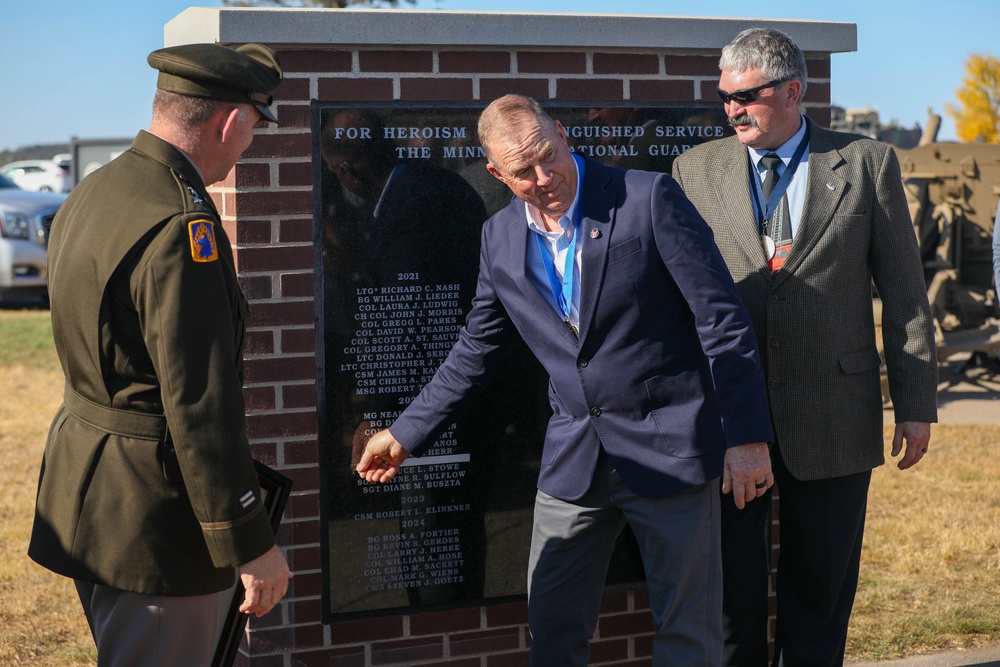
796,192
557,244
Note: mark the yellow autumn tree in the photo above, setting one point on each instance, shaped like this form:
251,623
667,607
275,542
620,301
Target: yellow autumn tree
977,114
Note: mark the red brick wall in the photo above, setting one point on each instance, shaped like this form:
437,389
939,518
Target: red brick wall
267,207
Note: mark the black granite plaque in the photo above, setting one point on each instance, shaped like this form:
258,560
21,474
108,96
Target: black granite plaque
403,195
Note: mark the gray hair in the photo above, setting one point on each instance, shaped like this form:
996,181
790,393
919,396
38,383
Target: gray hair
503,113
771,51
185,112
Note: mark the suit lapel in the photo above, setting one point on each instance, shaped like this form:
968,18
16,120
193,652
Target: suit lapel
733,191
823,193
595,232
519,236
599,206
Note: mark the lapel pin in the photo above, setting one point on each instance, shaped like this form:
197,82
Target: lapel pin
829,186
595,233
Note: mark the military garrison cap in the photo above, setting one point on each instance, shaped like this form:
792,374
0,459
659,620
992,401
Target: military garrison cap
247,73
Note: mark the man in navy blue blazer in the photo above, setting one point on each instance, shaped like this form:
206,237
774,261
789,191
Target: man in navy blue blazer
614,282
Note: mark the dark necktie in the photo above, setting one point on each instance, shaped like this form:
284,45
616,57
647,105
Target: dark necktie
770,162
779,227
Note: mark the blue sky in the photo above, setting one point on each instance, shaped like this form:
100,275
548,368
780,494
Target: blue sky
77,68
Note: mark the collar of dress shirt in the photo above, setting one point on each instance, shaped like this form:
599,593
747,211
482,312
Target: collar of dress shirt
785,151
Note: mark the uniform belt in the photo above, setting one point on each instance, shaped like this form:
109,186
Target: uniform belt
140,425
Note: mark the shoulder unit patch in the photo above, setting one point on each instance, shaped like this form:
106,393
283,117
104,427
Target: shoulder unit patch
202,235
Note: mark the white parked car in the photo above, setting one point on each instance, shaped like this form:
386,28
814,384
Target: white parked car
25,219
40,175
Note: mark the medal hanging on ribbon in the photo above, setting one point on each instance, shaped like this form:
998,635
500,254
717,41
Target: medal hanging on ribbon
562,290
768,244
776,237
771,208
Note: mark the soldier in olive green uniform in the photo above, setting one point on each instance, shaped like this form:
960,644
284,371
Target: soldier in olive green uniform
148,497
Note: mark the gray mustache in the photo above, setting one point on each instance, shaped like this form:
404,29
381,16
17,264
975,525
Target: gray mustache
744,119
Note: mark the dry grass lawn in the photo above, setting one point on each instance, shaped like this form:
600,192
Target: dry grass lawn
930,573
40,619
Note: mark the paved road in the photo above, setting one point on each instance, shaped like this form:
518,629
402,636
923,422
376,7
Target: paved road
984,657
968,398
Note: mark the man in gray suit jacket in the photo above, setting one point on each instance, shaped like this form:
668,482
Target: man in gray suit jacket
803,260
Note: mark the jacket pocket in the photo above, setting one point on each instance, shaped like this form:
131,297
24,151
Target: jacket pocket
167,455
686,415
859,361
558,429
624,249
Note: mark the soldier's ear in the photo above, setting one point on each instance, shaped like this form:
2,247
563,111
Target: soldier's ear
227,121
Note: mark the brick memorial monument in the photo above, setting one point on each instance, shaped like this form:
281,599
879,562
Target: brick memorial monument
356,225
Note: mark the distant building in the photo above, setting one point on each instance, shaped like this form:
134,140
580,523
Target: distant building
866,121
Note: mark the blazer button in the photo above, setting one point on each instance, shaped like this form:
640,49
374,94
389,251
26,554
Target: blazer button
595,412
583,363
774,298
774,342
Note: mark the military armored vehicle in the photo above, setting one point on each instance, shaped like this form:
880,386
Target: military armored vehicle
952,190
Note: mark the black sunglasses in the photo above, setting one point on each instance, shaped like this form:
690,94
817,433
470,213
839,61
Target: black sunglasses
749,96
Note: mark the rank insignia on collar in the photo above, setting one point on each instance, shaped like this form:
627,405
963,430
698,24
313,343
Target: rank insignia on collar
202,235
195,196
